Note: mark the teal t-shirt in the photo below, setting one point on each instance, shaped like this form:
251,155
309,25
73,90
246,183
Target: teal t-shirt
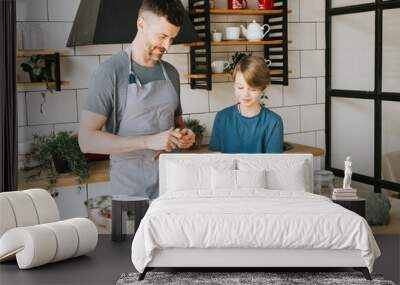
235,133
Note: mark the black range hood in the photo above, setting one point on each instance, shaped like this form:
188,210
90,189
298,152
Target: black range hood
114,22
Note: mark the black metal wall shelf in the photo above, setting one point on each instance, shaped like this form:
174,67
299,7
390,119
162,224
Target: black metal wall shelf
55,56
275,43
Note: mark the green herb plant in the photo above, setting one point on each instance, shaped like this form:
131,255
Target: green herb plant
197,128
62,146
39,68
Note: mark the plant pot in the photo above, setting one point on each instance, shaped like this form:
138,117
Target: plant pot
61,166
35,78
41,75
96,156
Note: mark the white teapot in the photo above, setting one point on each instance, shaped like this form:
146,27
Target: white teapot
254,31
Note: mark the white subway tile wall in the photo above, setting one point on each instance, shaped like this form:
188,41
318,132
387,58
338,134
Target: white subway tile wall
321,90
290,117
45,35
73,127
71,202
320,35
275,96
294,63
81,97
302,36
300,91
312,11
312,62
21,109
28,10
302,138
308,113
62,10
78,70
44,24
98,49
47,108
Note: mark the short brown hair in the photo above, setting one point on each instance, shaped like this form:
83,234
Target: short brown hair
255,71
172,10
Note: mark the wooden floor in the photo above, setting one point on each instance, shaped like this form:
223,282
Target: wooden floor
106,264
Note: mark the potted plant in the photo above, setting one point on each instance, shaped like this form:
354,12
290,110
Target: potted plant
58,153
198,130
39,68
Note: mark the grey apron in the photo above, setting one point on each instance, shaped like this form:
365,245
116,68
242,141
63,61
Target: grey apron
150,109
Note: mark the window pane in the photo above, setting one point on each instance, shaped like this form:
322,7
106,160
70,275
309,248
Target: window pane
391,141
352,134
353,51
341,3
391,51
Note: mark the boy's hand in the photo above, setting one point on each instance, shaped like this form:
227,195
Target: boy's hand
188,138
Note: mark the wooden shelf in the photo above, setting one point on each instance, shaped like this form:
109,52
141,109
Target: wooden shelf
99,170
240,12
228,75
40,84
200,51
237,43
23,53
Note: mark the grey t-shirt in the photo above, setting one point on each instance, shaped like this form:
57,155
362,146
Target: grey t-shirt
108,88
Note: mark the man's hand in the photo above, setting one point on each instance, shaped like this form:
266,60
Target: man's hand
188,138
162,141
171,139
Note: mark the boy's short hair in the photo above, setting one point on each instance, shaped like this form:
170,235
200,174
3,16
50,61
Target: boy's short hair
172,10
255,71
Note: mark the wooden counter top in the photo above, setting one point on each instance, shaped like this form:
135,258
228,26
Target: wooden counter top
99,170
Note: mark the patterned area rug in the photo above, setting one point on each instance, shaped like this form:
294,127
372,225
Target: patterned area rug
242,278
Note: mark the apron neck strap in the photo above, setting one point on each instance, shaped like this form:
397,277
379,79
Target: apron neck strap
128,50
164,71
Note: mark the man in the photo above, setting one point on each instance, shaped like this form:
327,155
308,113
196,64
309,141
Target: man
135,95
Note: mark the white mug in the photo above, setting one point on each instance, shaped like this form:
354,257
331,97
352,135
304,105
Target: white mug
217,37
218,66
268,62
232,33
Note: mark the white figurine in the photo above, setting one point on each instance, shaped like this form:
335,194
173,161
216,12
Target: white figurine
347,173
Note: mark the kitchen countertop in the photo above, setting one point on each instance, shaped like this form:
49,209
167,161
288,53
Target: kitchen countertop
99,170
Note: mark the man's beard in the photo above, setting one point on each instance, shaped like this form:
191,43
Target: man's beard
155,56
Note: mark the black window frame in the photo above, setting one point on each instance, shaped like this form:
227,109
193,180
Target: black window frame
377,95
